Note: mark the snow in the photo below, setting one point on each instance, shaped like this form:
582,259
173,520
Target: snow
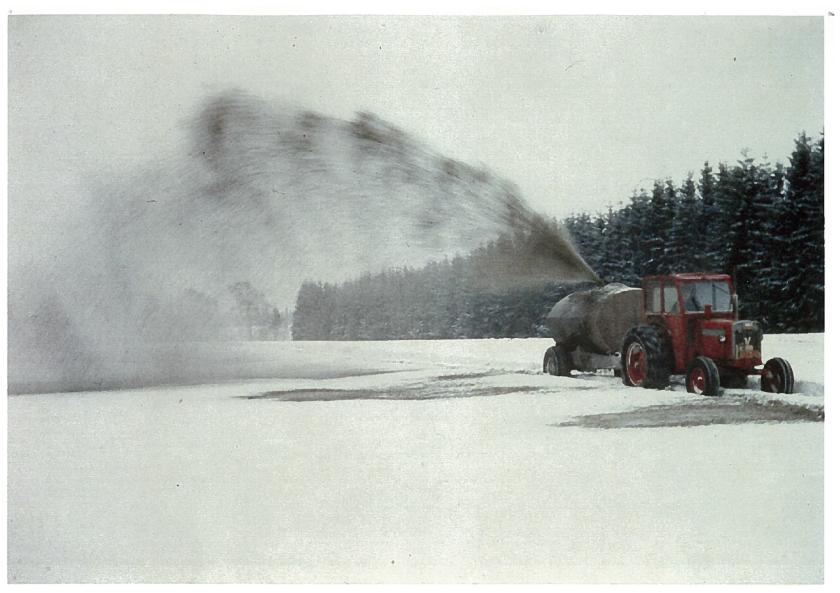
460,462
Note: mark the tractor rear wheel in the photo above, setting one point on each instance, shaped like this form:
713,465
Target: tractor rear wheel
646,358
777,376
557,362
702,377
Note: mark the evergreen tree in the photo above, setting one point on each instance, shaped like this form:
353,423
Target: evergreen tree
708,215
802,223
686,240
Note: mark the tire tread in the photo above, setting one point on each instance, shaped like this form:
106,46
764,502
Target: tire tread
710,370
657,348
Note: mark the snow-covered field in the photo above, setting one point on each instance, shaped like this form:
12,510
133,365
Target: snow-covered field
429,461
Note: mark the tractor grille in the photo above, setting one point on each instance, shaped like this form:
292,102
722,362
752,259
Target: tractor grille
746,336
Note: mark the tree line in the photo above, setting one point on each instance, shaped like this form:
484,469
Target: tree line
435,302
763,223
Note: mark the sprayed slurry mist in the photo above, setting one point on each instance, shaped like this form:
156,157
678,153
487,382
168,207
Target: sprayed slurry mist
259,194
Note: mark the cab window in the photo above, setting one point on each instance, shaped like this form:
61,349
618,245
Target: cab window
670,300
697,295
653,302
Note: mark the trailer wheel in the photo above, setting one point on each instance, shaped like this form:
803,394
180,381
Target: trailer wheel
702,377
646,358
777,376
557,362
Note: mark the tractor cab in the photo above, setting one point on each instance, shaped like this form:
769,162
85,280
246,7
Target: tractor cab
689,294
698,312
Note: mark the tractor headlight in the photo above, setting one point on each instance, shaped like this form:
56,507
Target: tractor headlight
722,339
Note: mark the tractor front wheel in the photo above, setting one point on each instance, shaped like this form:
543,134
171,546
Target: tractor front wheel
645,358
777,376
703,377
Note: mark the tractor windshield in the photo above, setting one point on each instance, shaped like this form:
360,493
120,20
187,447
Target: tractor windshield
697,295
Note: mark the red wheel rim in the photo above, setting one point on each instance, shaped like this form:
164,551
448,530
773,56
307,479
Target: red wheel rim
636,364
697,379
771,381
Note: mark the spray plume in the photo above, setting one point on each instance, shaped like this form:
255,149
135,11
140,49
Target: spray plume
262,196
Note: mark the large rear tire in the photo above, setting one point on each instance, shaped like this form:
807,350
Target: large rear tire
777,376
646,358
557,362
702,377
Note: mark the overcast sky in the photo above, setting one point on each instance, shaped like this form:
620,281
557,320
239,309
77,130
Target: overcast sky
577,111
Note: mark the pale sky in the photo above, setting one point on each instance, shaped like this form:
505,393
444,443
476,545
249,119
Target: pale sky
577,111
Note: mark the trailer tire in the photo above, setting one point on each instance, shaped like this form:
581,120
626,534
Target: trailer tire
557,362
646,358
702,377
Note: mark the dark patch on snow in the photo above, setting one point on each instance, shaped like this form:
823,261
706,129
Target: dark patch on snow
407,393
458,377
306,395
702,413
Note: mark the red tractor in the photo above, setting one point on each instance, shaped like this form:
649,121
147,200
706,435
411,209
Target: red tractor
692,327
